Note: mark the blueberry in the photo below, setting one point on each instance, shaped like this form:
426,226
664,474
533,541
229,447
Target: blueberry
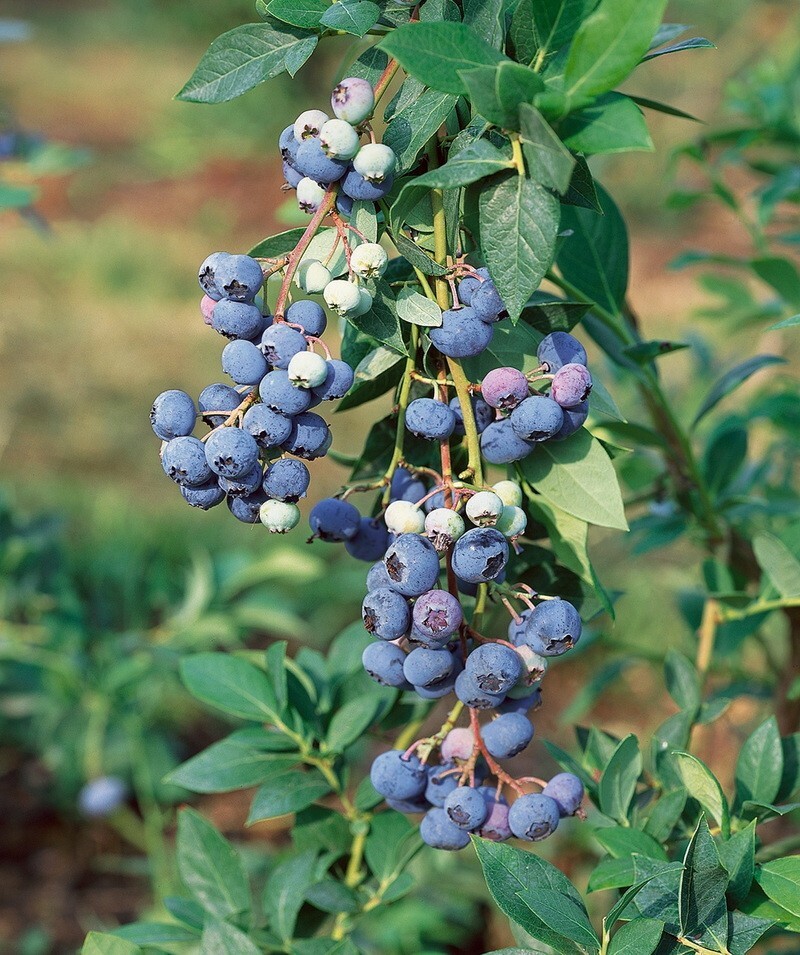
505,388
278,516
310,437
101,796
231,452
438,690
244,362
537,418
396,777
369,260
288,145
440,783
308,124
307,370
509,492
486,302
567,790
339,140
533,817
370,542
280,344
481,412
375,162
377,576
438,831
571,385
496,825
507,735
239,277
386,614
431,419
314,162
245,485
286,480
512,522
553,628
310,316
357,187
338,381
172,415
500,444
466,808
469,285
574,419
534,667
311,277
437,614
494,667
207,306
184,460
412,564
462,334
558,349
406,487
237,319
434,502
484,508
458,744
269,428
218,398
334,520
205,497
408,806
353,100
279,394
310,195
247,509
291,175
428,668
207,274
468,691
342,297
344,205
516,631
522,704
384,663
403,517
480,555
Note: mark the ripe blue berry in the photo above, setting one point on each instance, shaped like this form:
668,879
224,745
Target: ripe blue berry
310,316
218,398
412,564
237,319
406,487
408,806
184,460
352,100
480,555
280,344
553,628
370,542
486,302
469,285
314,162
466,808
231,452
334,520
558,349
244,362
239,278
269,428
357,187
431,419
533,817
462,334
172,415
101,796
508,735
386,614
437,614
247,509
470,694
245,485
396,777
438,831
207,274
279,394
288,145
571,385
522,704
537,418
574,419
500,444
338,381
495,826
505,388
205,497
428,668
481,412
377,576
291,175
567,790
310,437
384,663
494,667
286,480
516,631
440,785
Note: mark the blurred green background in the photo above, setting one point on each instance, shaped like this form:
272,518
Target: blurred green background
100,313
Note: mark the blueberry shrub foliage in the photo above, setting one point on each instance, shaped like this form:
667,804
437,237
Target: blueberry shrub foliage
459,237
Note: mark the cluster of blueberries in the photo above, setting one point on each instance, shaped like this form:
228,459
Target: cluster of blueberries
264,414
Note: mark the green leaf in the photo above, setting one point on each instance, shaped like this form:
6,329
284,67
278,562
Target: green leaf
792,322
351,721
547,314
277,245
638,937
154,933
475,162
515,86
220,938
374,375
548,160
582,191
381,321
663,108
656,869
703,786
563,915
519,223
618,782
275,662
101,943
417,309
577,476
612,124
763,811
544,26
609,44
693,43
731,380
778,563
703,882
285,891
744,931
410,129
286,792
298,13
484,17
513,875
595,257
621,841
435,52
230,684
244,57
352,16
391,844
210,867
232,763
790,780
760,765
781,274
419,259
737,854
779,880
683,682
664,815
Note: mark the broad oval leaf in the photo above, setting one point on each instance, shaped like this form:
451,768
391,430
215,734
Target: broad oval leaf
231,685
618,782
779,880
210,867
703,786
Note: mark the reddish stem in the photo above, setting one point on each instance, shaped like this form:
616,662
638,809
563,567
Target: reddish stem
297,253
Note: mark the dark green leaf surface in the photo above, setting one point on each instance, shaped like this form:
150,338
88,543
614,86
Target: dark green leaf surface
703,883
210,867
618,782
760,765
682,680
287,792
298,13
693,43
220,938
639,937
612,124
232,763
778,563
352,16
285,891
230,684
737,854
731,380
548,160
563,916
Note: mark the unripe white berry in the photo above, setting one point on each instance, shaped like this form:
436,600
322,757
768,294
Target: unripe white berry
369,260
309,123
512,521
509,492
444,526
364,302
307,369
534,666
403,517
312,276
278,516
375,162
343,297
484,508
310,195
339,140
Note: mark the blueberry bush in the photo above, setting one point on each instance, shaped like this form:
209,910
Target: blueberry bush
458,237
